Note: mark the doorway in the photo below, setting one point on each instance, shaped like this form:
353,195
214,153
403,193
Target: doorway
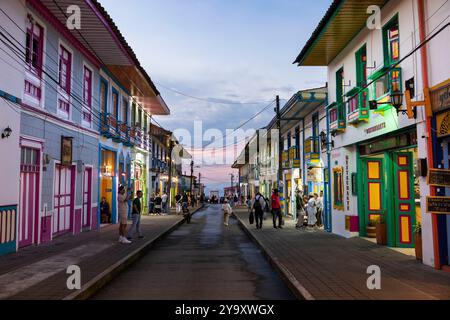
64,185
388,195
87,197
29,196
445,219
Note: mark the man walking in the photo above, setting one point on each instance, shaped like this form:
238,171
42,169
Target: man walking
259,205
276,210
136,217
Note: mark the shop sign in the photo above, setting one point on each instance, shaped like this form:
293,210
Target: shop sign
439,178
66,150
440,98
315,175
296,163
443,124
440,205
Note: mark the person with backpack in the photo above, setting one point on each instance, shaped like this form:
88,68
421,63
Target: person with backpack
259,205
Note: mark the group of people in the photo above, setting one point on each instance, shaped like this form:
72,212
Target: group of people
309,209
159,204
260,204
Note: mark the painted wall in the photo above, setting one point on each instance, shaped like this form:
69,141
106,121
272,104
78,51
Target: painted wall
11,82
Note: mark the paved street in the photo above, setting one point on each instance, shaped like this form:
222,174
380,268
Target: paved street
326,266
203,260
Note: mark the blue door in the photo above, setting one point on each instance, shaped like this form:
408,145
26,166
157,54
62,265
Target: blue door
446,224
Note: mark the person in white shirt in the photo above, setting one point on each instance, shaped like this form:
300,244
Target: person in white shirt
319,205
226,212
311,208
164,202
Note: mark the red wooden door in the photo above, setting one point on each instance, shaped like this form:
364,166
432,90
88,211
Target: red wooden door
63,199
29,196
87,197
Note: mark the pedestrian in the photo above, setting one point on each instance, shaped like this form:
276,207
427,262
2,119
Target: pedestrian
136,217
236,199
249,204
152,204
178,199
259,206
319,206
226,212
276,210
105,213
123,198
164,202
300,204
311,209
158,204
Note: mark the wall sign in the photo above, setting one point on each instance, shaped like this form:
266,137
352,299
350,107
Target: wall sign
440,205
440,98
66,150
439,177
443,124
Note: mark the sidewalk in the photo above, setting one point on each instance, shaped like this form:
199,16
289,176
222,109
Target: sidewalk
39,272
319,265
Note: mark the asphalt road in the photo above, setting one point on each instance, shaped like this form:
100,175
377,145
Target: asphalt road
201,261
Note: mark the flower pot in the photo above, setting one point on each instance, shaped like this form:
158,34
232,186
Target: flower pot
371,231
418,245
381,234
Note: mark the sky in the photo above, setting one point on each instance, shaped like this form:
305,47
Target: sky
200,53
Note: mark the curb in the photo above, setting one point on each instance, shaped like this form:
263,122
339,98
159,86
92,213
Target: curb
290,280
102,279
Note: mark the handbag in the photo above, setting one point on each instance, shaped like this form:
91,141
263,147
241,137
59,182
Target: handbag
251,217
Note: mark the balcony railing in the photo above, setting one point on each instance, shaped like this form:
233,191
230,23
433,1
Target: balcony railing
358,105
336,115
138,136
108,126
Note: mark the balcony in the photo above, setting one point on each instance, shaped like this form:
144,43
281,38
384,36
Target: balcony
132,136
108,126
312,150
385,82
336,115
145,141
138,136
357,106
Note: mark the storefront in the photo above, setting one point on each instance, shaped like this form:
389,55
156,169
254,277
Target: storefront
388,189
440,100
108,184
139,178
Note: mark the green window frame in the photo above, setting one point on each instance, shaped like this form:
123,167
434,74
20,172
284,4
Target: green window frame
361,66
391,41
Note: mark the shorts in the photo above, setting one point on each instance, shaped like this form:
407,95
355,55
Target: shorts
123,219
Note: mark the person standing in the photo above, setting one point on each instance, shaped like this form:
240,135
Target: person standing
276,210
158,204
300,203
259,205
152,204
249,204
226,212
136,217
123,198
105,213
235,201
311,209
178,203
319,206
164,202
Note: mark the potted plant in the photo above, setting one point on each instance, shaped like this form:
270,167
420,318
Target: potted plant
418,240
381,232
371,229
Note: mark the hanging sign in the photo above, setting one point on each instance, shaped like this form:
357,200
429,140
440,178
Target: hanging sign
66,150
439,177
440,205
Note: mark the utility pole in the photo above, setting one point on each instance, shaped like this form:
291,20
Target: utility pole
192,176
280,145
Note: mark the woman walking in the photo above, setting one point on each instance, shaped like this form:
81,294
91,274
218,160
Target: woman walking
123,198
311,208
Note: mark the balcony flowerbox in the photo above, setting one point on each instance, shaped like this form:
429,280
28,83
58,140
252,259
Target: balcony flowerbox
357,105
336,117
386,81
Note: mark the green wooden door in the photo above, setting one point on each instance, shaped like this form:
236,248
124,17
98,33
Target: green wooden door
373,190
404,206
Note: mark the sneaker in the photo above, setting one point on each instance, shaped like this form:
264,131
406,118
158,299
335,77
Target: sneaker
120,239
125,241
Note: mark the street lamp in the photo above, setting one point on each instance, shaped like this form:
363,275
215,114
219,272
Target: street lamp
397,99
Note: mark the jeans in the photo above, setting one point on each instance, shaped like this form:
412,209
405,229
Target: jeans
277,214
136,226
259,216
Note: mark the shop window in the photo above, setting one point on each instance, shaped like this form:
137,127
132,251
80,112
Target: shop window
391,42
338,189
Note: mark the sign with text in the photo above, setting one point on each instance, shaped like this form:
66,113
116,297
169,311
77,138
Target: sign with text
440,98
439,177
439,205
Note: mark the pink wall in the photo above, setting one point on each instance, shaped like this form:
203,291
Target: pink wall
78,222
94,218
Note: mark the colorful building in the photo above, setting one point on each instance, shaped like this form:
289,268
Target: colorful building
377,146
